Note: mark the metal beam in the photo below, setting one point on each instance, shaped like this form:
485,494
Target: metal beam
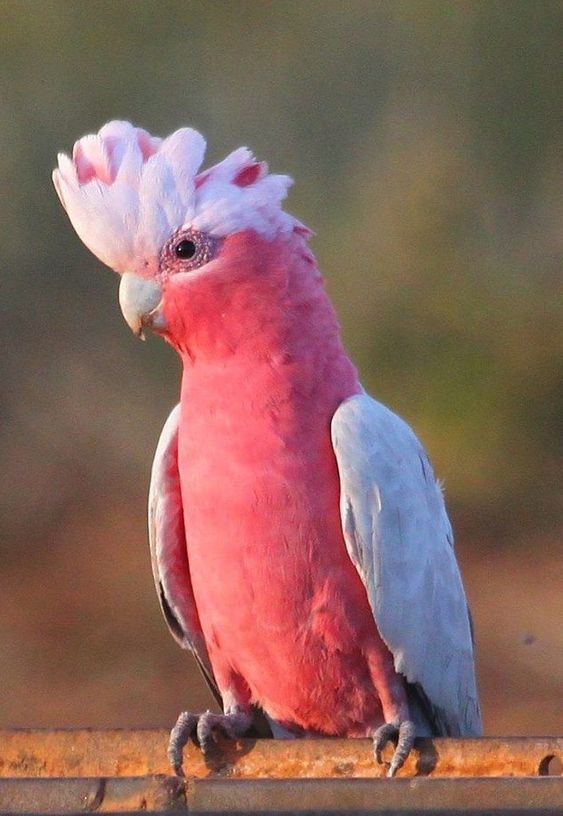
118,753
322,797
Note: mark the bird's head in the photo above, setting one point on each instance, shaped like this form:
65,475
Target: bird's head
181,239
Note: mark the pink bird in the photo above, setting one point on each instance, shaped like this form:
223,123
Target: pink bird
300,544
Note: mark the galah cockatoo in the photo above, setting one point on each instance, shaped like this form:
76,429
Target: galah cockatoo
300,543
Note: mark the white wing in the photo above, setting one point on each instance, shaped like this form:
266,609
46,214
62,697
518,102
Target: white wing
169,555
400,540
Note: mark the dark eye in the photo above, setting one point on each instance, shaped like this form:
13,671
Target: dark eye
188,249
185,250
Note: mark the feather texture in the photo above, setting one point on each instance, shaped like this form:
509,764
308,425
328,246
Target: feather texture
399,538
126,192
169,555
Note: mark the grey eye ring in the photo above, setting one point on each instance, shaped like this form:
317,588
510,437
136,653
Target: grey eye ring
188,249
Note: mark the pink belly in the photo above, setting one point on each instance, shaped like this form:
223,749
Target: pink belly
283,610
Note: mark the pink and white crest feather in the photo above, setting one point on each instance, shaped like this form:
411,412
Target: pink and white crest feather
126,191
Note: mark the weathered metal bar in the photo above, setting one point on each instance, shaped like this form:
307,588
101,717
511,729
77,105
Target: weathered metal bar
117,753
433,797
122,795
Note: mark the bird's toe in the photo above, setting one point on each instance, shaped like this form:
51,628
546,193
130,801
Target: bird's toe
385,733
403,733
185,727
233,724
209,726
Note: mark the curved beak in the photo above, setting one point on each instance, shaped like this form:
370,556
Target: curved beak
140,300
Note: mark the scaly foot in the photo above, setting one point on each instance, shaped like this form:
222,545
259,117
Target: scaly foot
403,733
205,727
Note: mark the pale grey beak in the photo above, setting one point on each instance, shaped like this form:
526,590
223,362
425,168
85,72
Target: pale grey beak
140,299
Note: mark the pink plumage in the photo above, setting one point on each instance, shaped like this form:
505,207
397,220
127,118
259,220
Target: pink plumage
300,543
284,613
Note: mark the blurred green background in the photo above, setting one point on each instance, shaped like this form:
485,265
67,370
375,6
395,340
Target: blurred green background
423,139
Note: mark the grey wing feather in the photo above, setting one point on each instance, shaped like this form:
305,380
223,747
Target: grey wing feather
169,555
399,538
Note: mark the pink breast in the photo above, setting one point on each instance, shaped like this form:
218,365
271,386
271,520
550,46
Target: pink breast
282,607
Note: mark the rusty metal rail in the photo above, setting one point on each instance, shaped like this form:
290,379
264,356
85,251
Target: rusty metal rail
329,797
127,771
39,753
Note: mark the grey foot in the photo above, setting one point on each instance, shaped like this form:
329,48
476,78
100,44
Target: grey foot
404,734
233,724
205,728
185,727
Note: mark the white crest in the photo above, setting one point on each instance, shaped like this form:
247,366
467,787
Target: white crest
126,192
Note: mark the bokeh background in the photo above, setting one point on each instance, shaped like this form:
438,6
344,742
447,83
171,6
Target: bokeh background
423,139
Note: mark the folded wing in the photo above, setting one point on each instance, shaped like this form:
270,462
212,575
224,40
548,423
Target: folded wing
169,555
400,540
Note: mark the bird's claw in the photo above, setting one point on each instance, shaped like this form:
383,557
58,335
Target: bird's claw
211,725
205,728
403,733
185,727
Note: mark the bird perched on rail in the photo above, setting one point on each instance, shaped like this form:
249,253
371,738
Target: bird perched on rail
300,544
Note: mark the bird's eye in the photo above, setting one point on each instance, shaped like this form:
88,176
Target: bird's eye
185,249
188,249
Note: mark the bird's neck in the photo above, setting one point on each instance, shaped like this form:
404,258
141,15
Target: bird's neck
276,337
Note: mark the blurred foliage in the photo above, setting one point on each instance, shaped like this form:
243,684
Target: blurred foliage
425,141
